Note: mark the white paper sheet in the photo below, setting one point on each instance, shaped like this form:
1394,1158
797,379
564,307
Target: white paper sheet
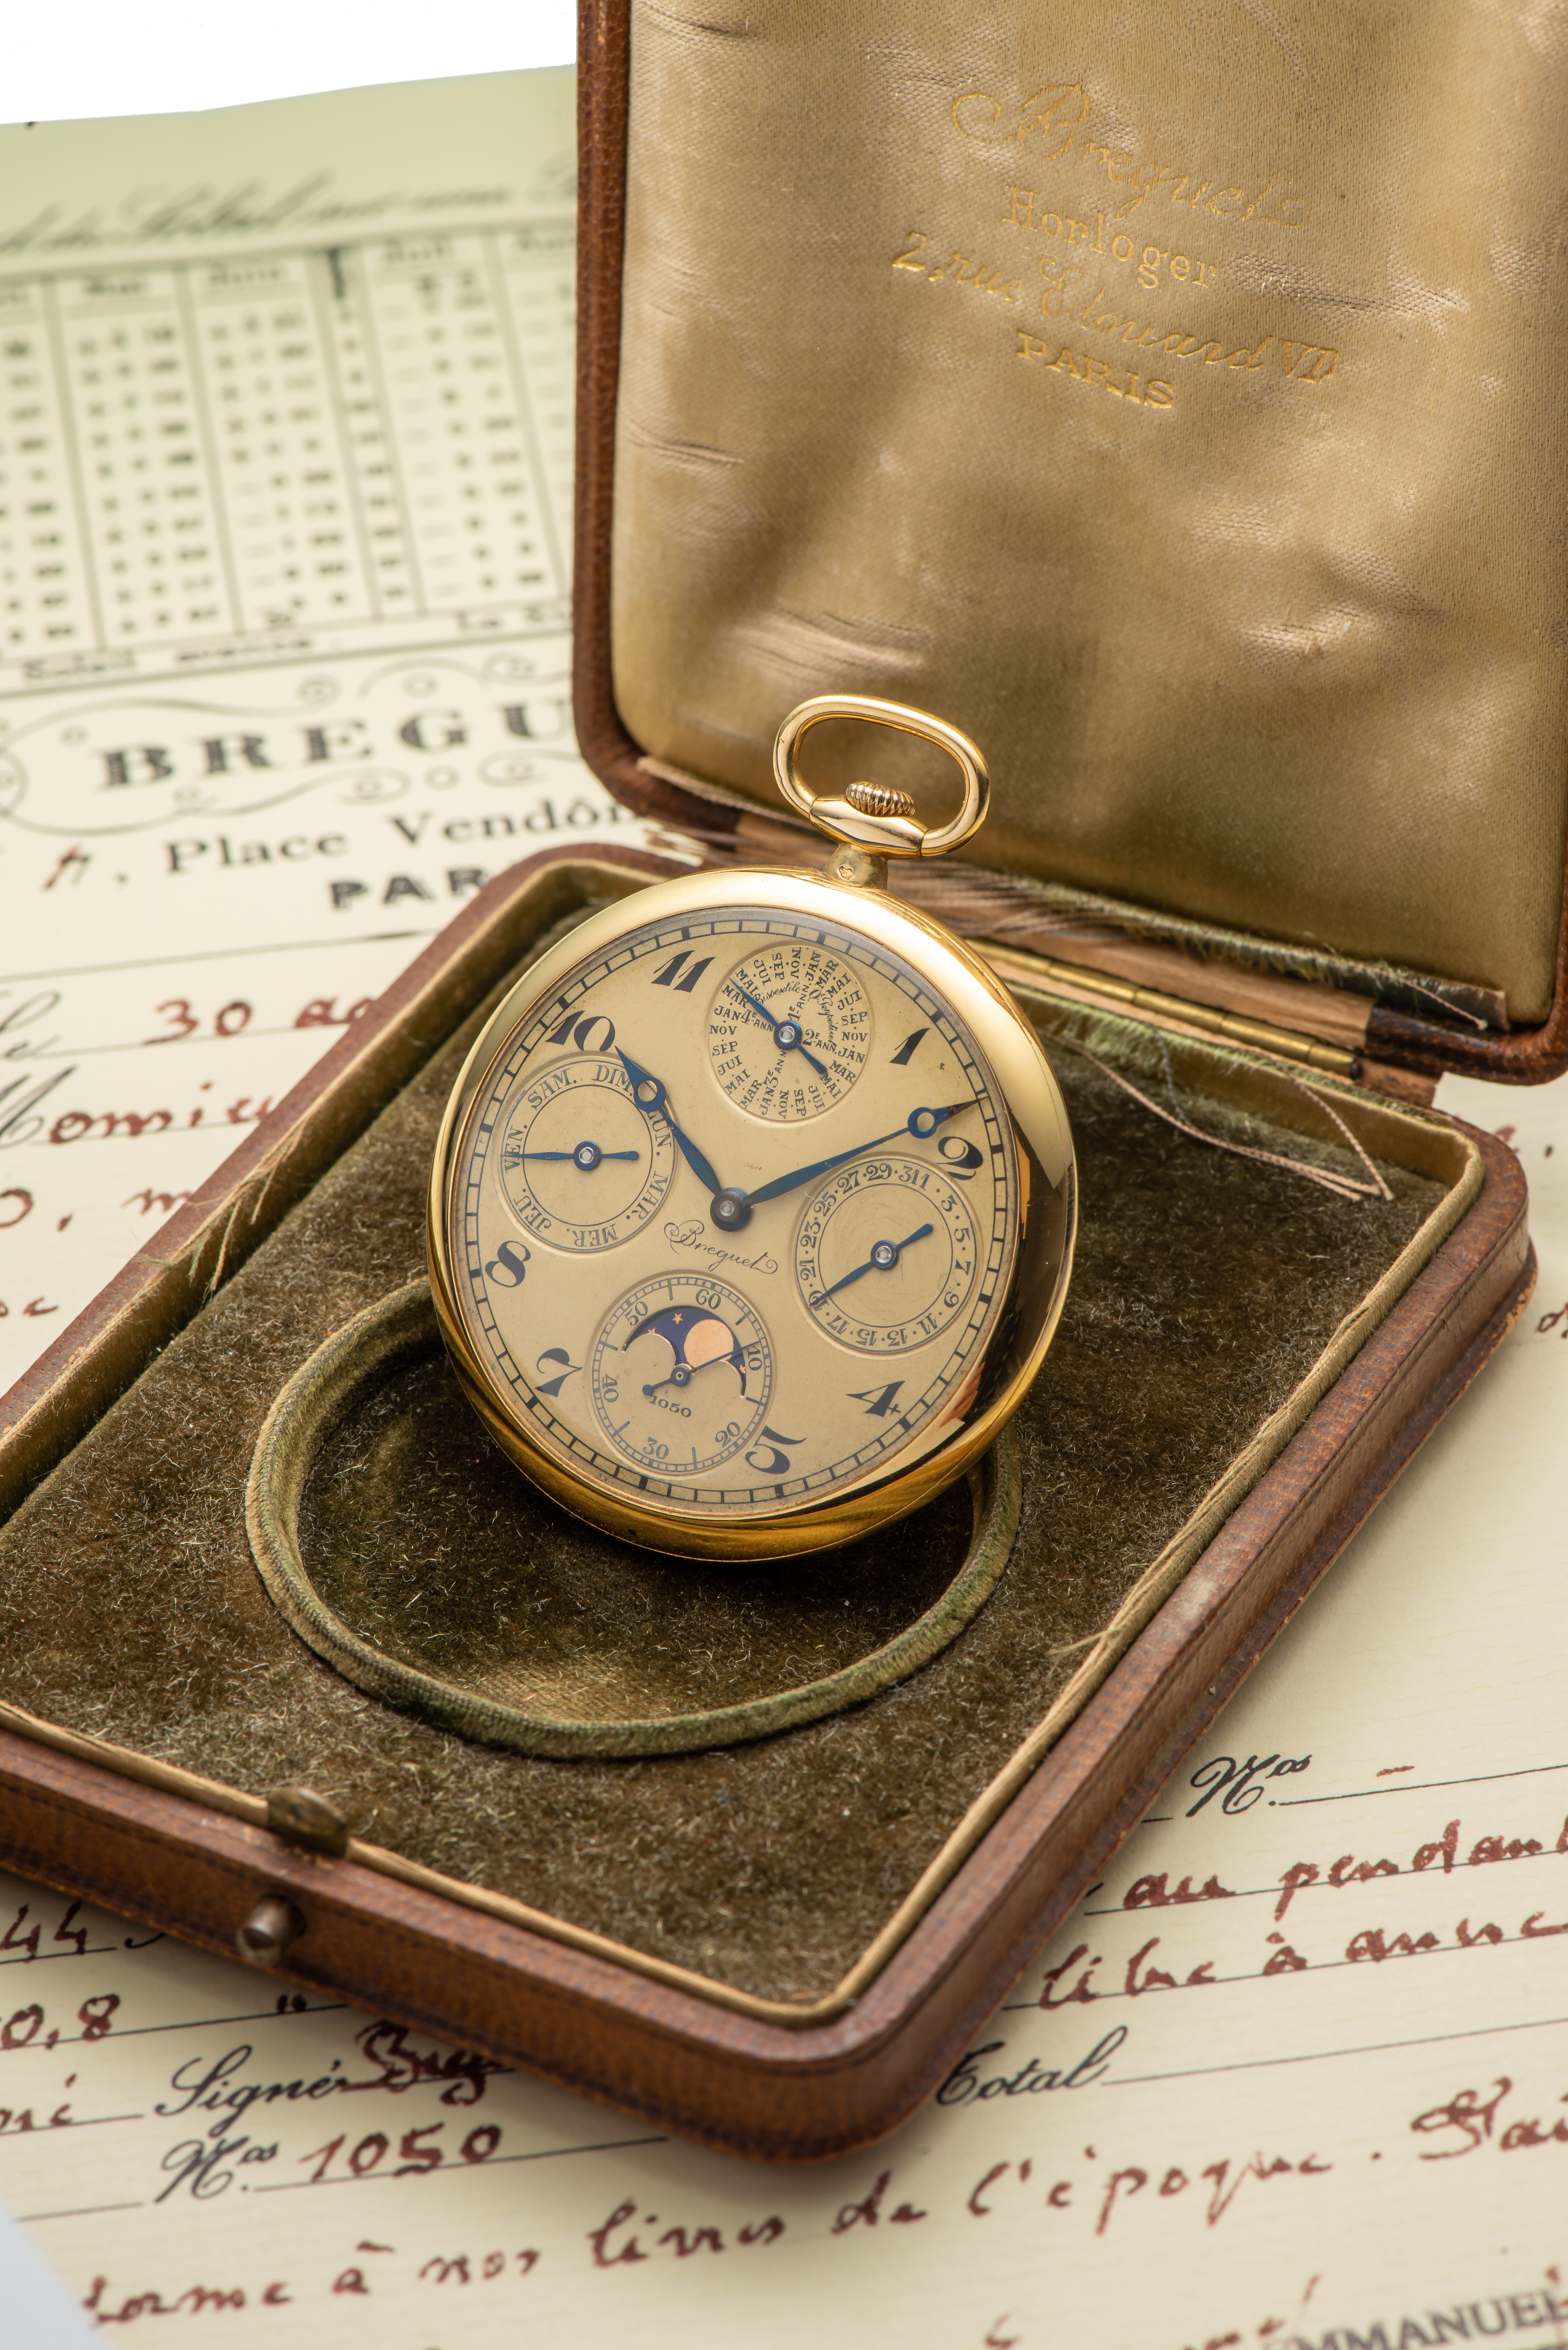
38,2311
1297,2071
285,541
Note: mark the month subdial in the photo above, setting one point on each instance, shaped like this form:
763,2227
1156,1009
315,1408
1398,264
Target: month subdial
789,1032
580,1165
680,1372
886,1255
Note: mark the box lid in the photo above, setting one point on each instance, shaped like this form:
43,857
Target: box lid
1163,399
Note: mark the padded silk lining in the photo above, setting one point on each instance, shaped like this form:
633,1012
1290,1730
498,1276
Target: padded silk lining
1278,645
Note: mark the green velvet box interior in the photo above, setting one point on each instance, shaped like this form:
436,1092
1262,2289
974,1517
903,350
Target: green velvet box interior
1208,1287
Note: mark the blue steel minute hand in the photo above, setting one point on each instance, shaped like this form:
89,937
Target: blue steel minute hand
647,1093
921,1123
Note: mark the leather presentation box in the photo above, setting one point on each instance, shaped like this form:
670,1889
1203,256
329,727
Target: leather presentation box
1254,611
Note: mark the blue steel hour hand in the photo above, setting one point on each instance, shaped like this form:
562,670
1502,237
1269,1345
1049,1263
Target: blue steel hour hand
921,1123
587,1155
647,1093
884,1256
788,1034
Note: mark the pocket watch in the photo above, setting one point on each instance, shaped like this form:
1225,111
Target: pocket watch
751,1212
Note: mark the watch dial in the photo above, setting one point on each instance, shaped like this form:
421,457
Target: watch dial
681,1371
887,1254
577,1117
788,1030
732,1215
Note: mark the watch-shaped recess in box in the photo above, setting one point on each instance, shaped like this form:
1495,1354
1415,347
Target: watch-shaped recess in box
751,1212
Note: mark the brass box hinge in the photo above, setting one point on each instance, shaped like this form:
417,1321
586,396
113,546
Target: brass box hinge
1017,966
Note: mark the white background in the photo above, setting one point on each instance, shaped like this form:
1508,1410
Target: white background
168,57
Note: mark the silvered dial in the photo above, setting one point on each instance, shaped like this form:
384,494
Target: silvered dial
756,1306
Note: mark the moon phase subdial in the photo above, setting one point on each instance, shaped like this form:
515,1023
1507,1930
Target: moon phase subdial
680,1373
886,1255
789,1031
580,1166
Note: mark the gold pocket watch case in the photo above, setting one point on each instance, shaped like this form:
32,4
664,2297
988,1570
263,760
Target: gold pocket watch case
751,1212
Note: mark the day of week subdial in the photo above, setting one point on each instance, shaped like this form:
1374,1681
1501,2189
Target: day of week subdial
789,1032
886,1255
680,1373
580,1166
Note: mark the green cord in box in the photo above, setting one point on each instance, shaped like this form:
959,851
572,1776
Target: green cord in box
403,1326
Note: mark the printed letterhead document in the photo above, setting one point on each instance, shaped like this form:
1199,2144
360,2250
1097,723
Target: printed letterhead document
278,691
285,455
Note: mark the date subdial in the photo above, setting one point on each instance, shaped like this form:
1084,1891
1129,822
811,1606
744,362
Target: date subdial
680,1373
789,1032
581,1167
886,1255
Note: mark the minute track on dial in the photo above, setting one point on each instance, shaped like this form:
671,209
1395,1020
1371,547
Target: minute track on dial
727,1396
680,1412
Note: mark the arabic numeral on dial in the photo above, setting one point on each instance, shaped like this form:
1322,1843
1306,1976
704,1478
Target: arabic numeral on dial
508,1267
578,1032
610,1391
728,1433
962,1157
556,1355
879,1401
666,975
766,1458
710,1300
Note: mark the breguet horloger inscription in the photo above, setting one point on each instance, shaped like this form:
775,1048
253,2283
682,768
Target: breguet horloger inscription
1053,127
1146,339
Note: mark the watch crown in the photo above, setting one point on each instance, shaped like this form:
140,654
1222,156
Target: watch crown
874,817
878,799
